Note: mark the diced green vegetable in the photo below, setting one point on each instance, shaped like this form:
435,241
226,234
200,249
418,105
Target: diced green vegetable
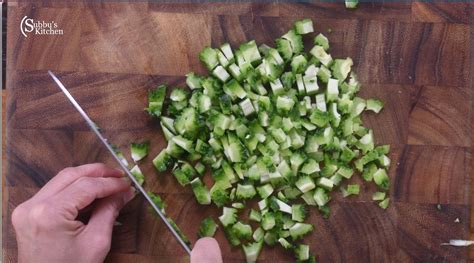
242,231
137,173
298,212
304,26
139,150
156,98
384,204
378,196
281,123
351,4
302,252
252,250
162,161
322,40
208,227
200,191
374,105
228,217
298,230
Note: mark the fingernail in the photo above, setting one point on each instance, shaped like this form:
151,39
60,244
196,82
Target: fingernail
129,195
126,179
120,171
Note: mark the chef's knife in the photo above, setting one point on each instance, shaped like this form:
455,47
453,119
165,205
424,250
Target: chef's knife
94,128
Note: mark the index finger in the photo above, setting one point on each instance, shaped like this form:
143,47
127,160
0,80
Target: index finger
86,190
71,174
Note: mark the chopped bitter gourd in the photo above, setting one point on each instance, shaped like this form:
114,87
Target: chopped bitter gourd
278,123
200,191
298,230
137,173
298,212
242,231
252,250
302,252
156,99
304,26
208,227
228,217
351,4
139,150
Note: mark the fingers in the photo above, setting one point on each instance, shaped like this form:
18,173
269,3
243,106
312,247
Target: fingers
100,225
206,250
85,190
69,175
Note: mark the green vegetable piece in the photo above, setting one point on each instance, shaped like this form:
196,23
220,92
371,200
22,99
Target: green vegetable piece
284,243
268,221
320,54
304,26
284,48
137,173
302,253
208,227
157,201
252,250
234,89
187,123
384,204
139,150
378,196
246,191
220,73
193,81
284,104
228,217
242,231
258,234
351,4
352,189
322,40
381,179
298,230
231,237
209,57
178,231
341,68
305,184
254,215
200,191
298,64
295,40
200,168
250,52
374,105
156,98
324,74
321,197
162,161
219,195
265,190
298,212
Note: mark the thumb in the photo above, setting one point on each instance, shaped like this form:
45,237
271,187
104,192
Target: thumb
105,212
206,250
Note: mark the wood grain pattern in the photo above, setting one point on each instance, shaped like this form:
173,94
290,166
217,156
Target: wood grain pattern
416,57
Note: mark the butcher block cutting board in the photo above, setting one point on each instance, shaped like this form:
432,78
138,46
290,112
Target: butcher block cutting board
416,57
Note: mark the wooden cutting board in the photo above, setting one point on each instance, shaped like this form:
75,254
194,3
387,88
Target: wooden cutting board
416,57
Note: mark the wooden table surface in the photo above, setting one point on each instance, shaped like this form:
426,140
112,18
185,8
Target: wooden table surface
417,57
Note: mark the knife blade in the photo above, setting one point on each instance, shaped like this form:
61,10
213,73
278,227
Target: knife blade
94,128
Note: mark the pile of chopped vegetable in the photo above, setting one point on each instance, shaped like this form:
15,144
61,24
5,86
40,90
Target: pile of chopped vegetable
280,126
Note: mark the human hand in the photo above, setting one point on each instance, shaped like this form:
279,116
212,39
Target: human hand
206,250
46,225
